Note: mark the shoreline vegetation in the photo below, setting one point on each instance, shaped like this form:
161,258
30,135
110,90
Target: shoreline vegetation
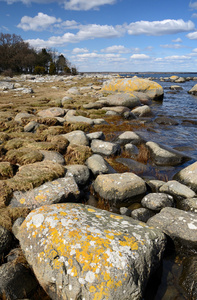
88,208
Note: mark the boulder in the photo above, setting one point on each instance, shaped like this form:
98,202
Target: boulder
188,277
77,137
60,190
121,99
131,85
188,176
157,201
177,190
105,148
119,187
18,118
51,112
188,204
142,111
117,109
16,281
77,251
53,156
193,90
80,173
5,241
98,165
72,118
142,214
98,135
128,137
180,225
164,157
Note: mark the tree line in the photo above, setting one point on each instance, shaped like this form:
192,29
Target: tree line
17,57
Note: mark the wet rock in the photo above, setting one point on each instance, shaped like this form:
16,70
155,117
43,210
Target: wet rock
5,241
124,99
142,214
51,112
166,121
98,135
157,201
177,190
80,251
164,157
16,281
133,165
193,90
128,115
131,85
176,87
189,204
189,276
131,149
77,137
98,165
188,176
178,224
60,190
119,187
128,137
180,80
105,148
80,173
53,156
142,111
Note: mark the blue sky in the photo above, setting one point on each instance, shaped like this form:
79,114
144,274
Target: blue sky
109,35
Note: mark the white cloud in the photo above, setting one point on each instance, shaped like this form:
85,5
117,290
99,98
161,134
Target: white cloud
92,31
174,58
192,35
116,49
172,46
69,4
38,23
157,28
67,25
86,4
178,40
79,50
193,5
139,56
194,15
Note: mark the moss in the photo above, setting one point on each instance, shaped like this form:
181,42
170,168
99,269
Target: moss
68,127
23,156
53,130
33,175
5,193
8,215
15,143
6,170
10,126
77,154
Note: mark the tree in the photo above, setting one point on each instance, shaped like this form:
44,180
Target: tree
52,68
43,59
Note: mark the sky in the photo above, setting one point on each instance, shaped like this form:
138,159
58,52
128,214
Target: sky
109,35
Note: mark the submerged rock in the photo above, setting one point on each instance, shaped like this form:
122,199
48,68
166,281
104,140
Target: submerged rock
77,251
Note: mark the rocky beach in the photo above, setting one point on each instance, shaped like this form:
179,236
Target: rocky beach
96,201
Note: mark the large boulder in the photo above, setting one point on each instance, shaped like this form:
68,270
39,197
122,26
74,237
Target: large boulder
80,252
121,99
178,224
188,176
119,187
131,85
77,137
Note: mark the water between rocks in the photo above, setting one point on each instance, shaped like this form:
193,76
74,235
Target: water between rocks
182,107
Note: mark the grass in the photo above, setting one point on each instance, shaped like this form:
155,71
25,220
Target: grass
77,154
8,215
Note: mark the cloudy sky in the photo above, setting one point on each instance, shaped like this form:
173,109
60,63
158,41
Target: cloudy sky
109,35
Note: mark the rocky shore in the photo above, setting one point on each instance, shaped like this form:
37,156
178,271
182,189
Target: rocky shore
79,217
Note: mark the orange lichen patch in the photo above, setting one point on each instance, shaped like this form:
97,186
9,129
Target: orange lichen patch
22,200
72,236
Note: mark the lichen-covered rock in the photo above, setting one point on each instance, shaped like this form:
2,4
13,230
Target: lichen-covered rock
188,176
177,189
53,156
80,252
180,225
131,85
119,187
59,190
105,148
164,157
157,201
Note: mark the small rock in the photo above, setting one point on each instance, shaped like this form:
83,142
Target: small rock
128,137
99,135
176,189
142,214
188,176
106,148
80,173
77,137
142,111
157,201
98,165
